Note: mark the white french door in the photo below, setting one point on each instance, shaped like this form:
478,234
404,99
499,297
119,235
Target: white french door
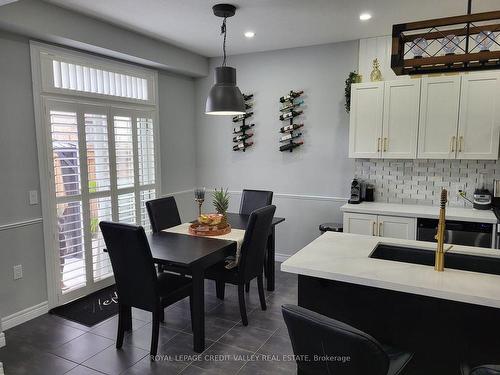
102,166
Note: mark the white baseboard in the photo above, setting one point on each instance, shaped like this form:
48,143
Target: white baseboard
281,257
2,342
25,315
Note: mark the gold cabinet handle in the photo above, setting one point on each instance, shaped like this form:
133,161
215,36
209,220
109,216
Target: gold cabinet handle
460,143
378,144
386,144
452,143
380,229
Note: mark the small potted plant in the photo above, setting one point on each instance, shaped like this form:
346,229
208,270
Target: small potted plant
221,203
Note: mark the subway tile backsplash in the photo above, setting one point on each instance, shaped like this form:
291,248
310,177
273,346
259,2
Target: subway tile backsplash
420,181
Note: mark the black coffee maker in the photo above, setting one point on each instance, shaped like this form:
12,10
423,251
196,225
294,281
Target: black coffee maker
355,192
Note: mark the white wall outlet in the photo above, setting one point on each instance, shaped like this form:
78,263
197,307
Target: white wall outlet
33,197
18,272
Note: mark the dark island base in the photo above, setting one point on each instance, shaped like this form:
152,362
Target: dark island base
440,332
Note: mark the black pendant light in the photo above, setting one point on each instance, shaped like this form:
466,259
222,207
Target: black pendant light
225,97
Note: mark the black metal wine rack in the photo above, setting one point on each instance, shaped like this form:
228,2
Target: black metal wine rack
243,131
291,143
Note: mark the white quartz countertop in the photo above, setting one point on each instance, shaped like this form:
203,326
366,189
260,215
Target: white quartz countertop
345,257
429,212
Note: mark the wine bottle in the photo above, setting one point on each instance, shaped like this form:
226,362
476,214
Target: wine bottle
290,128
290,136
242,137
290,146
247,97
248,105
242,146
289,115
241,128
292,95
291,105
242,117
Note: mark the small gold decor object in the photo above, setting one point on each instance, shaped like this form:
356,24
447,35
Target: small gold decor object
376,75
199,197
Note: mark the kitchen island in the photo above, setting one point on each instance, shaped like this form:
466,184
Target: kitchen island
444,317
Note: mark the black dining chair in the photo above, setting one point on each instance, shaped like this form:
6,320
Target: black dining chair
163,213
137,283
326,346
252,200
480,370
251,260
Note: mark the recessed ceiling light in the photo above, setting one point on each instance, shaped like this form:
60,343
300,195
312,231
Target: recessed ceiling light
365,16
249,34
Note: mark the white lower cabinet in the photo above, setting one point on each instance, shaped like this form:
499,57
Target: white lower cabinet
380,225
397,227
360,224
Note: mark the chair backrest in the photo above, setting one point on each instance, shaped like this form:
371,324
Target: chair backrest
340,348
253,248
133,267
254,199
163,213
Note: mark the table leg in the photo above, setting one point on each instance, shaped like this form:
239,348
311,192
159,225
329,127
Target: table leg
198,311
271,242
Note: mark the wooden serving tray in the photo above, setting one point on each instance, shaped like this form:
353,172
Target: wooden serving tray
198,229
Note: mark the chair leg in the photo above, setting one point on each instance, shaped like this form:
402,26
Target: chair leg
220,288
121,326
191,311
262,297
241,300
247,287
155,333
161,315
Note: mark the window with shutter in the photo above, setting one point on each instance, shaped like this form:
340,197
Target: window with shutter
101,161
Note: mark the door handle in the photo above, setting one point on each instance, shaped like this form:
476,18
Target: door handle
374,228
452,143
380,229
386,144
378,144
460,143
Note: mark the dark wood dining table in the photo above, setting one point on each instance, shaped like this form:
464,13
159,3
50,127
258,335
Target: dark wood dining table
196,254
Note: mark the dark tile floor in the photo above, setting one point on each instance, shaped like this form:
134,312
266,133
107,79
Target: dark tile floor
49,345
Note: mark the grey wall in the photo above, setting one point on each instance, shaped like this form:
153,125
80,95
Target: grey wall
18,174
177,140
19,168
311,183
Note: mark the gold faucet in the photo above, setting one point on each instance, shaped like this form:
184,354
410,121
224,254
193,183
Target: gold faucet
440,251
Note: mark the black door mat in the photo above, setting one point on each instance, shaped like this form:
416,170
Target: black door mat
91,309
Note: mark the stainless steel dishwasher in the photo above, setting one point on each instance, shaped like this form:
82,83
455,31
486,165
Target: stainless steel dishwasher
457,232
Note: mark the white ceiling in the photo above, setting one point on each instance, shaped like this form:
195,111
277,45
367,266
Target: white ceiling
277,23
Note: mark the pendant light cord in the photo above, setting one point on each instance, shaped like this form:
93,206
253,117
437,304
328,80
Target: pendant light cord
223,31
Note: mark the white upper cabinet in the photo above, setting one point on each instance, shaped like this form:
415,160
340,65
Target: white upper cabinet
365,128
400,119
479,120
439,106
446,117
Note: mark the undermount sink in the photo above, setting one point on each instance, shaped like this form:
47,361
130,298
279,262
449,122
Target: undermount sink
464,262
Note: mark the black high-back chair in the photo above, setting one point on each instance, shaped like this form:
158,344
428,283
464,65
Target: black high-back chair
339,348
254,199
163,213
480,370
251,260
137,282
